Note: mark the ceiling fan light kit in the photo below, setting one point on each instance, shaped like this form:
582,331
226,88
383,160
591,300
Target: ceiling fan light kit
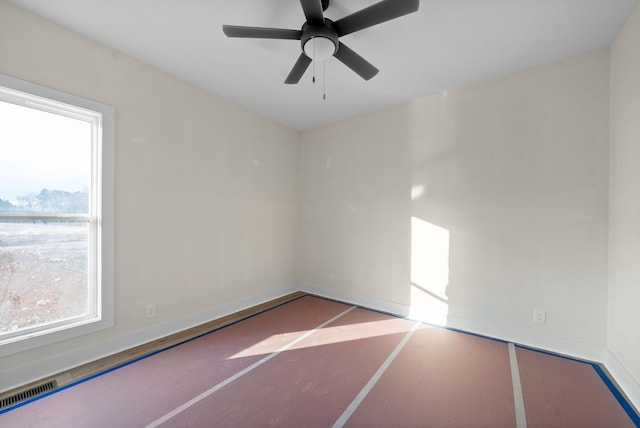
319,42
319,36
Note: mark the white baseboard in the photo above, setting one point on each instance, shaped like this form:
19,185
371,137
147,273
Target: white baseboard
58,363
583,351
623,378
367,302
533,339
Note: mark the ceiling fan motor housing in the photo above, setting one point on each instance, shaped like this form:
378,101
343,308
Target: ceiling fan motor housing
326,43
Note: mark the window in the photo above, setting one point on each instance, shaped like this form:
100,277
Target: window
56,227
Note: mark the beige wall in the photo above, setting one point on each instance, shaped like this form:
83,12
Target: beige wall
623,337
205,191
508,178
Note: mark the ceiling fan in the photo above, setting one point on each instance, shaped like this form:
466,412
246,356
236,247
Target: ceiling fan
319,36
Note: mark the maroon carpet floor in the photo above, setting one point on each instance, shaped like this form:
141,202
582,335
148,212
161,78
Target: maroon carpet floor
319,363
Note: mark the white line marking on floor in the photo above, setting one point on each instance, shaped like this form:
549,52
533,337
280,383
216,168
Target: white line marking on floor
243,372
521,419
377,375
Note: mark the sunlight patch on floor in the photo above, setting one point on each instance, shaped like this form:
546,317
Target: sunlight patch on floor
328,336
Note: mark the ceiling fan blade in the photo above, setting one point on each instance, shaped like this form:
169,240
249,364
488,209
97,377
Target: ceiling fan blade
355,62
298,69
312,10
378,13
261,32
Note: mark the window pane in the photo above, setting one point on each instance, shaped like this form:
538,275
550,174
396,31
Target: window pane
45,161
43,273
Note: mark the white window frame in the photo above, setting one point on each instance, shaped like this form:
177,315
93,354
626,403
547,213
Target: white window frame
100,217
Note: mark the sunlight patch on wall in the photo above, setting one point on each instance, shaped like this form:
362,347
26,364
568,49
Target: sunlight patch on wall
417,191
429,272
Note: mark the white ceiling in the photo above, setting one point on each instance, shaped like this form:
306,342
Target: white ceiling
446,44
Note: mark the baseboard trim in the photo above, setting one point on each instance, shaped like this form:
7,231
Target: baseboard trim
601,356
624,380
529,338
82,363
532,339
366,302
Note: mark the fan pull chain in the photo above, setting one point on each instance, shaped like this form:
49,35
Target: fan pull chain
324,80
314,60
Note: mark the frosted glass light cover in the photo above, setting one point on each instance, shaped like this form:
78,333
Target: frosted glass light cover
324,48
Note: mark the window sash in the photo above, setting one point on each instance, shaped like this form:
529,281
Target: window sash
93,218
93,312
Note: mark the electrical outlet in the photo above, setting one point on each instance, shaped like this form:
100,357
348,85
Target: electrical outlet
332,279
540,316
151,310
